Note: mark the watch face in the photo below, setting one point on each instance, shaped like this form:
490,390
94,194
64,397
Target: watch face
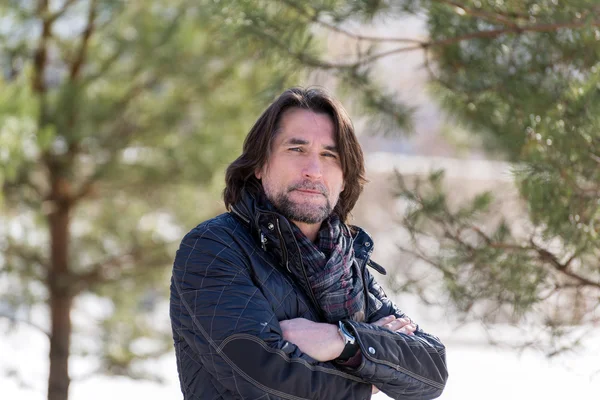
348,338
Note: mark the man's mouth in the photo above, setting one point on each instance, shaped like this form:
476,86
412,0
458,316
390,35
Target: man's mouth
309,191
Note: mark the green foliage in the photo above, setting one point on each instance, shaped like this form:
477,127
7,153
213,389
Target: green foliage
125,114
300,29
478,262
533,91
523,78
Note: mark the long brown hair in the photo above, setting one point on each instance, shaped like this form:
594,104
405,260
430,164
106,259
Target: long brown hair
257,147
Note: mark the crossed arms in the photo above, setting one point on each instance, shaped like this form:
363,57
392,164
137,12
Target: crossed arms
229,325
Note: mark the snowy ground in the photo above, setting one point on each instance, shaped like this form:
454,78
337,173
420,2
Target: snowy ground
478,371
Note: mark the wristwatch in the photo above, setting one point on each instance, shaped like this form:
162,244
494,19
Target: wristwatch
351,347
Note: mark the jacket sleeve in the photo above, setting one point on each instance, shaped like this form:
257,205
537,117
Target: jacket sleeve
402,366
233,332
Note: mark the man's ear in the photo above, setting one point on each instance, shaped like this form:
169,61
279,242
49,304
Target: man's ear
258,173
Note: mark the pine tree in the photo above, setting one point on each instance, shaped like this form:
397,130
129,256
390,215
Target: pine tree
524,78
116,119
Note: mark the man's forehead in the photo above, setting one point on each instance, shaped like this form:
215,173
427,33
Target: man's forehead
300,126
305,116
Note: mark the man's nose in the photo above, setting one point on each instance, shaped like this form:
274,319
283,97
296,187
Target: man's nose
312,168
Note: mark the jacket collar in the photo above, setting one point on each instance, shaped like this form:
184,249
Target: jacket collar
272,231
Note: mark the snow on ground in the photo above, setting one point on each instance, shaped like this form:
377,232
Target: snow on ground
477,371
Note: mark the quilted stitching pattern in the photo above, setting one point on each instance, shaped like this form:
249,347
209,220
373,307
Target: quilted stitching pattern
227,298
221,282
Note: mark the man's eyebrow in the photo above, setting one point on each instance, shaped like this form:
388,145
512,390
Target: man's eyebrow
295,141
298,141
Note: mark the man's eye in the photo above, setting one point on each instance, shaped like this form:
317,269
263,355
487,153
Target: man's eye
330,155
298,149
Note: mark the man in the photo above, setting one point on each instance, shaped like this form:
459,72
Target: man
273,300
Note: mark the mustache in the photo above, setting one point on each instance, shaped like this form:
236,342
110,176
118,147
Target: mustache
307,185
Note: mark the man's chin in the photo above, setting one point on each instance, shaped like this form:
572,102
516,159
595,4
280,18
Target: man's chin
305,213
313,215
307,219
305,209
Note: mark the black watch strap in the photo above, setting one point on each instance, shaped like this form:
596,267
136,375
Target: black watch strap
351,347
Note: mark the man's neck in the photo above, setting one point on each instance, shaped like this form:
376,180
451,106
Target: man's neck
311,231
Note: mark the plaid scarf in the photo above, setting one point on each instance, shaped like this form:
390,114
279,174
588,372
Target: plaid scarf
331,268
332,271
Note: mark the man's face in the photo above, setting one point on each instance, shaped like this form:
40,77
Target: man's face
303,176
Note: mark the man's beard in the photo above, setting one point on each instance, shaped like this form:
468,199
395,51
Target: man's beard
305,212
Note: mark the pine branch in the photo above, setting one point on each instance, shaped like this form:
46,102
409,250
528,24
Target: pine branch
31,257
13,318
106,64
83,46
67,4
111,269
87,187
23,180
563,268
495,16
447,222
315,19
41,53
543,255
419,255
104,271
496,245
484,34
122,134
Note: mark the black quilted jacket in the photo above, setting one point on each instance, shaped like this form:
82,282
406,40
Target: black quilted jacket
229,290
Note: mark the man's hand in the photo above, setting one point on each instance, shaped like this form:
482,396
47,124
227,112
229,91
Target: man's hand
401,325
321,341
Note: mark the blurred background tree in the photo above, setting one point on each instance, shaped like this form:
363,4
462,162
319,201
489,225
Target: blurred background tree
524,78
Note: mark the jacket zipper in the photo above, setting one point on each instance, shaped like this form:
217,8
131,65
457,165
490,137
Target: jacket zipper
283,247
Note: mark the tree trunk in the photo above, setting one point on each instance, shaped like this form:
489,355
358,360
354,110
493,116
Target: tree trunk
60,338
60,302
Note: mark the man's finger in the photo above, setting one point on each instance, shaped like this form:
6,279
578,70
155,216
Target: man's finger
397,323
401,325
384,320
407,329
